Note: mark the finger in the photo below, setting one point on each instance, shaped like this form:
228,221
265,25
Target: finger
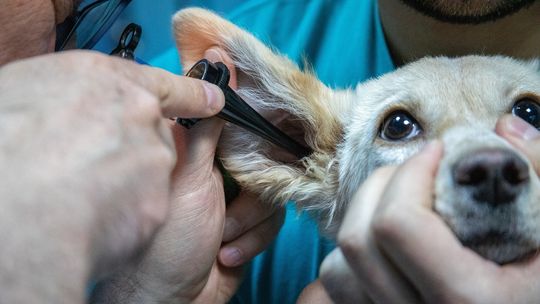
380,280
179,96
522,135
252,242
414,238
314,293
431,257
196,147
416,178
340,282
244,213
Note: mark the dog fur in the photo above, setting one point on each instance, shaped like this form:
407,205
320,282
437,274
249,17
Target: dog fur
455,99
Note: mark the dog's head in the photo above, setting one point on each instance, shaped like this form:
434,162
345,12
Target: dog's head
486,191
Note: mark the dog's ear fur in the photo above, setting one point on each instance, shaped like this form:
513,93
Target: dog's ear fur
271,83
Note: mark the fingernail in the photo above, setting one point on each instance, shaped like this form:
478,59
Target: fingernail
520,128
231,229
214,96
231,256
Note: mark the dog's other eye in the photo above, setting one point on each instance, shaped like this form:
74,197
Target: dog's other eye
399,125
528,110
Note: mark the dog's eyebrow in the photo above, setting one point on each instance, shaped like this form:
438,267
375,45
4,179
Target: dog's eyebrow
403,104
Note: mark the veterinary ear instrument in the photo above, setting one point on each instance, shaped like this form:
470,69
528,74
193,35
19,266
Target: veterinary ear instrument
238,112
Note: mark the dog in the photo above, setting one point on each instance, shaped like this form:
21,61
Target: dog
486,191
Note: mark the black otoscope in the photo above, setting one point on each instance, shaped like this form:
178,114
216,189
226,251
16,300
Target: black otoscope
238,112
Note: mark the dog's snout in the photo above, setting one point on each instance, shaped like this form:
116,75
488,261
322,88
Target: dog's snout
493,176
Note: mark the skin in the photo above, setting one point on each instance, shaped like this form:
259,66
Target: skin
412,35
87,213
394,254
467,11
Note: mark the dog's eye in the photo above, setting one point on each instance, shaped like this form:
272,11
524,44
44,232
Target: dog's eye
399,125
528,110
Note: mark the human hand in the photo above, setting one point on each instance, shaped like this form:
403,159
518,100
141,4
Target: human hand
195,256
396,250
521,135
250,225
86,158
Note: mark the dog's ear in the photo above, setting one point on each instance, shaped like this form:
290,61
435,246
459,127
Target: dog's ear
272,84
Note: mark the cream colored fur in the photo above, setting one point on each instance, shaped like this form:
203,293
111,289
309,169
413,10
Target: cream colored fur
342,127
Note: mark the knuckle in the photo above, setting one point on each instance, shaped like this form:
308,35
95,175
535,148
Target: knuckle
159,215
328,277
166,156
352,244
167,139
385,226
142,101
330,267
87,59
326,272
159,153
339,281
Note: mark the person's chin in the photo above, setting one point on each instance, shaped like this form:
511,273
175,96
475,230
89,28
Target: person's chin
467,12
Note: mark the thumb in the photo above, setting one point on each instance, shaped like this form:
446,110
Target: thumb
523,136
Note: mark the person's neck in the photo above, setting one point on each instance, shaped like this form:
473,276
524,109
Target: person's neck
411,35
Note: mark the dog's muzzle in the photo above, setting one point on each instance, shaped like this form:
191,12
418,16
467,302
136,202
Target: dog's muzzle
487,193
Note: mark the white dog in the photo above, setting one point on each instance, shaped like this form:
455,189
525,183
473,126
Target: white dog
486,191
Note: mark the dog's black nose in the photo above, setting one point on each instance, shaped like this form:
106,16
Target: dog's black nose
494,176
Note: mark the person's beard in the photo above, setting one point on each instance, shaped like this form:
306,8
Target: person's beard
467,11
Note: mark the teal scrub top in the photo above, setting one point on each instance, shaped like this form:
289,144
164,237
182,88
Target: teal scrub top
344,42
